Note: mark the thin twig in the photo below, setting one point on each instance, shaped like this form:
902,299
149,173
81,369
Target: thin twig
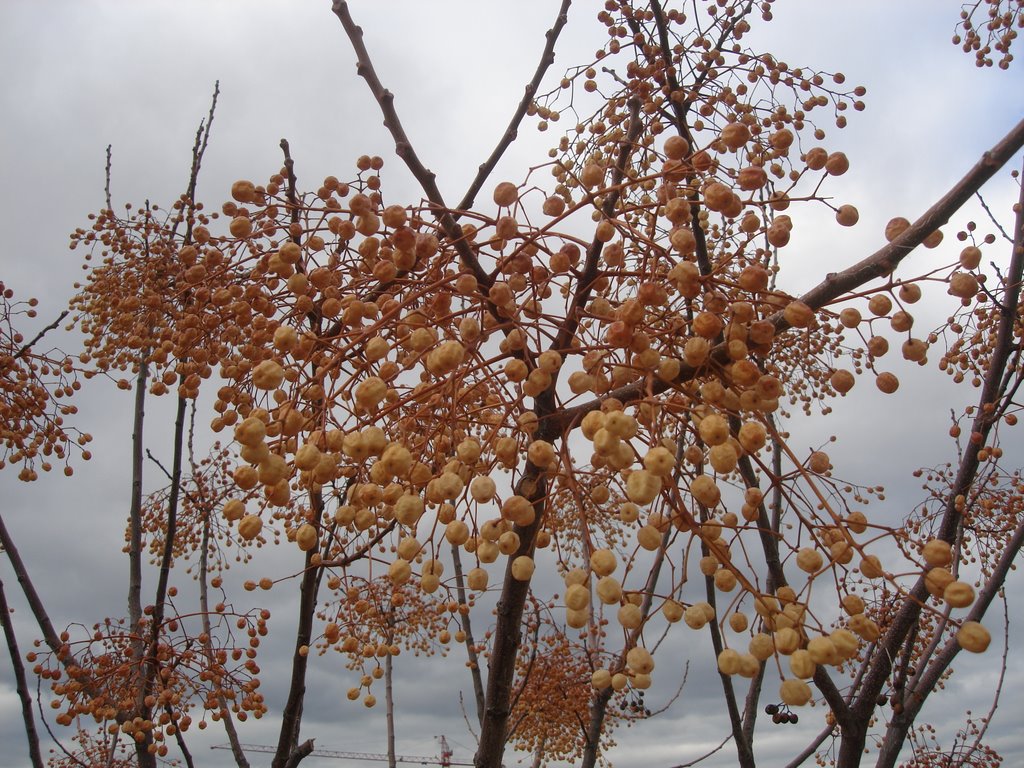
547,58
35,339
704,757
995,221
106,179
46,725
987,720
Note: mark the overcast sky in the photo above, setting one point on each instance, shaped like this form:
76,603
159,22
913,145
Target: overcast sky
82,74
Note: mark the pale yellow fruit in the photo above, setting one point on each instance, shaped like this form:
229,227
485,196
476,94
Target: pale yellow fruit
457,533
519,510
725,580
399,572
787,640
629,512
642,487
630,616
508,542
871,567
695,617
482,488
541,453
577,619
852,604
937,553
409,547
723,458
640,660
714,429
973,637
609,591
249,527
822,651
506,194
761,646
649,538
306,537
660,461
234,510
250,431
476,579
865,627
672,611
936,581
307,457
801,664
795,693
577,597
845,643
522,568
958,594
857,522
752,436
603,562
729,662
749,666
408,509
705,491
809,560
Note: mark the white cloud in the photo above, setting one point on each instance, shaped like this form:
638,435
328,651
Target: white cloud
81,75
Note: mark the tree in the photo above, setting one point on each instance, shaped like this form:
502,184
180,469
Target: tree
593,375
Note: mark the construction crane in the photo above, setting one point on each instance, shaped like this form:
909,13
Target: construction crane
444,761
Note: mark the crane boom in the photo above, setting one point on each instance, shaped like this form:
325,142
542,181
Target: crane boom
444,760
